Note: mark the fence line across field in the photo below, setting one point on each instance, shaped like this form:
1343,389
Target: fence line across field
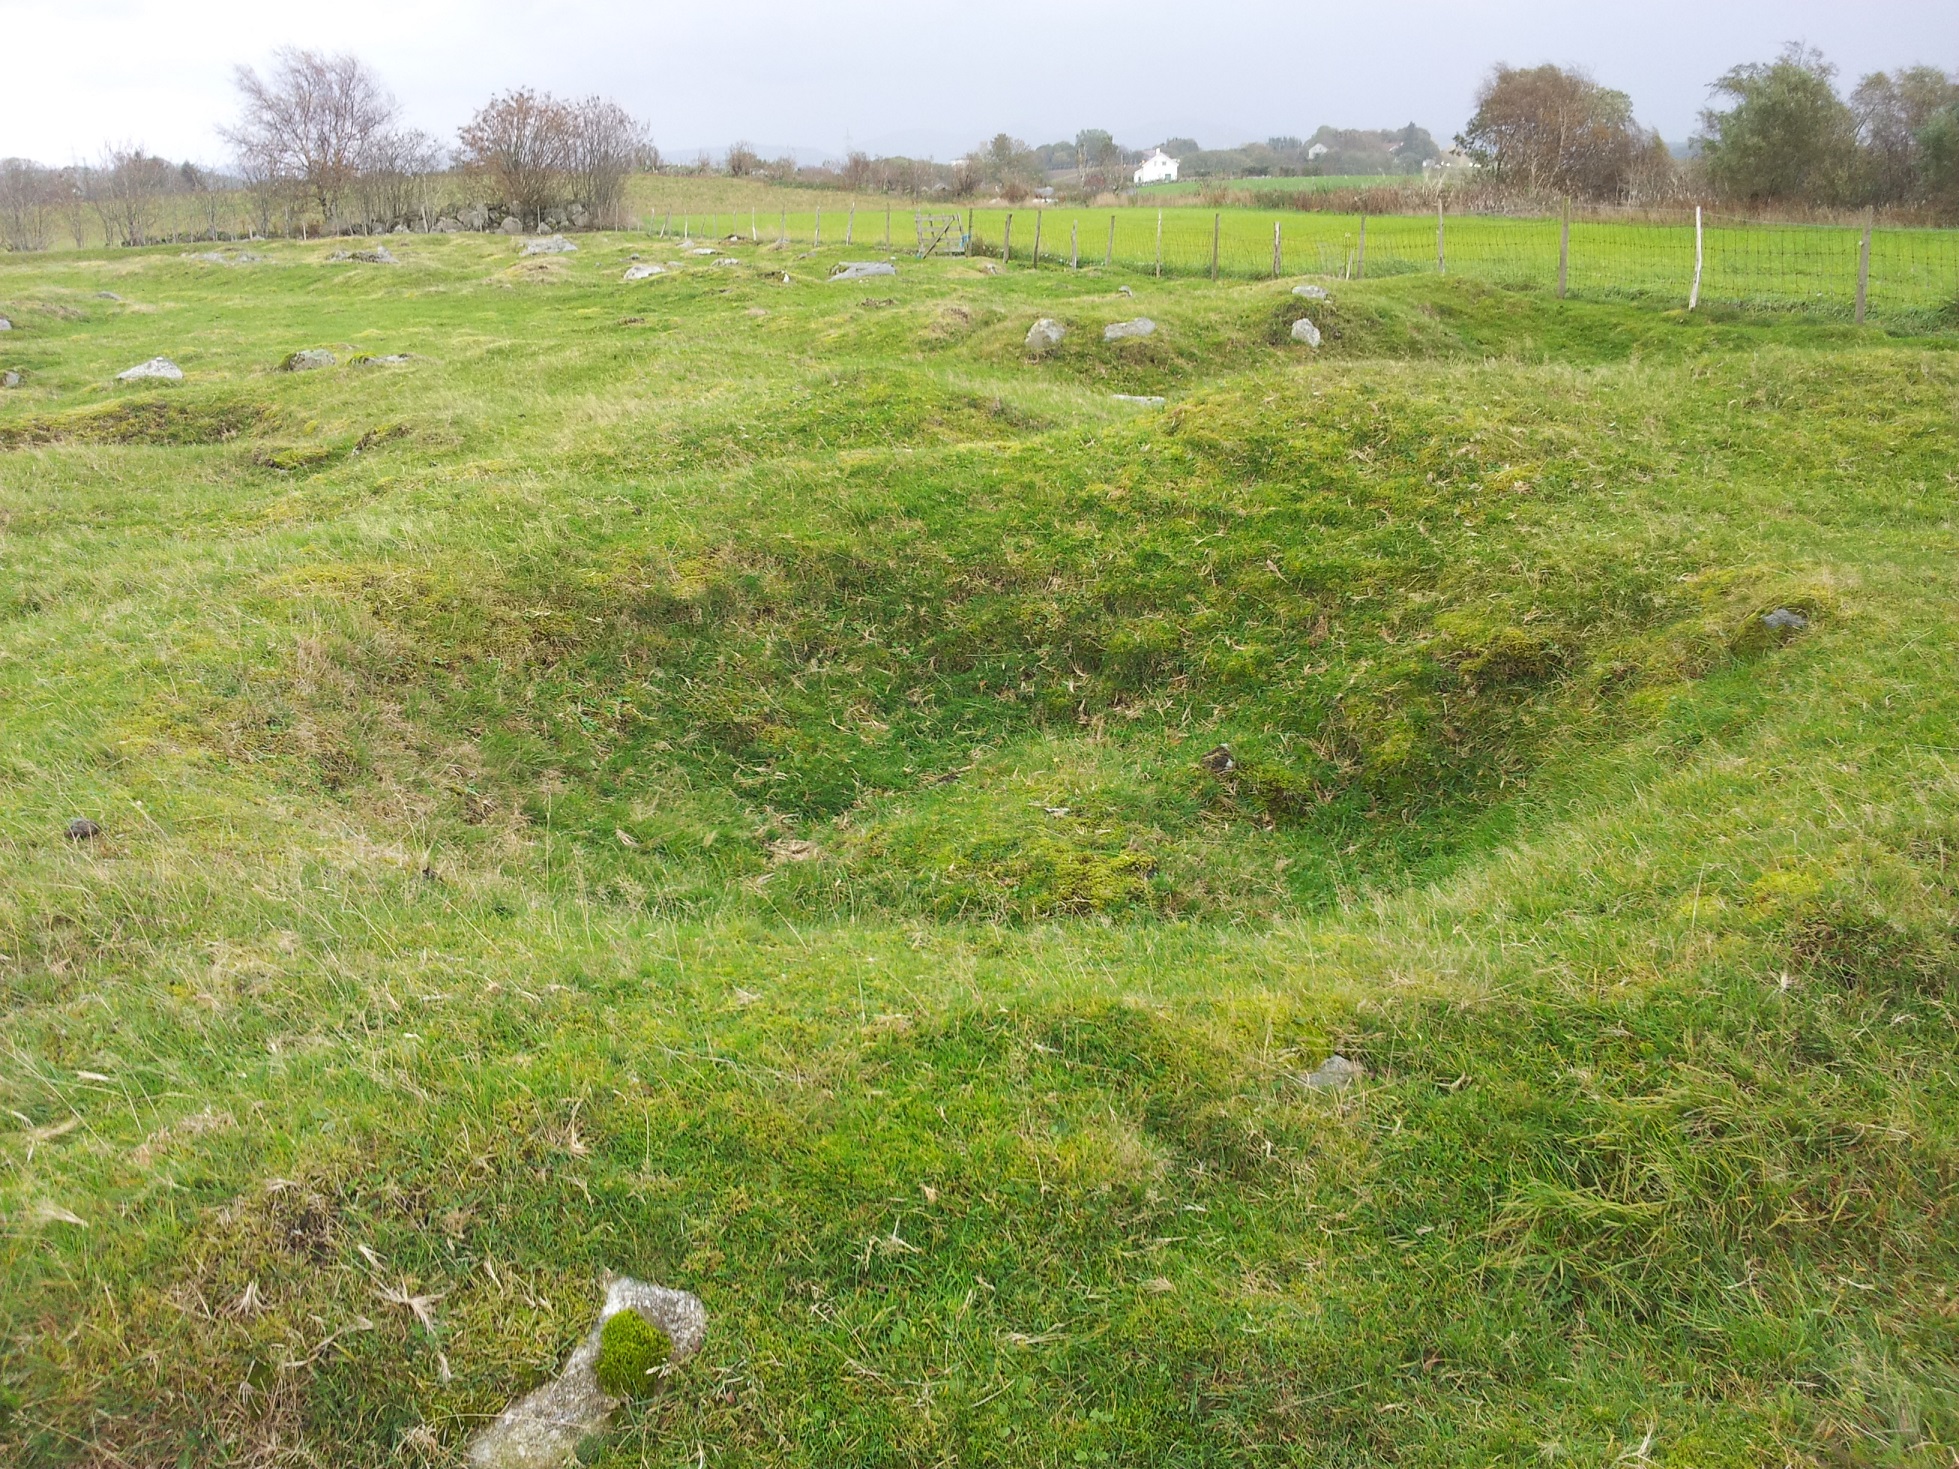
1832,269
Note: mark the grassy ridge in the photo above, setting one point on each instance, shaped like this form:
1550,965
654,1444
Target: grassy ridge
703,778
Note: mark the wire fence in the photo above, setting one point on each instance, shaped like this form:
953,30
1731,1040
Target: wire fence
1906,275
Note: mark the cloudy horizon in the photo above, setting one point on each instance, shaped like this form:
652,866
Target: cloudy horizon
796,78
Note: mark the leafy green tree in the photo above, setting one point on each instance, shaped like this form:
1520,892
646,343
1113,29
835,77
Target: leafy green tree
1892,110
1788,136
1938,157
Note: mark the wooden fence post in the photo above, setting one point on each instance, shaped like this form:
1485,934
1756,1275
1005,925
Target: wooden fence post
1217,223
1694,295
1441,260
1864,265
817,244
1074,244
1159,244
1277,253
1564,249
1039,215
1360,256
783,237
1109,255
887,226
850,223
754,235
1007,242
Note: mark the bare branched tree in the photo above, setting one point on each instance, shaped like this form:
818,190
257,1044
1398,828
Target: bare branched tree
129,185
519,140
1548,130
395,179
604,147
29,195
312,120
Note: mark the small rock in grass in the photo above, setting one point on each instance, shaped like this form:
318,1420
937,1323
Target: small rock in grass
702,250
1785,619
1310,292
545,1428
156,367
1116,331
5,325
857,270
1125,290
107,296
81,829
391,359
1335,1072
1303,330
727,260
1146,399
1045,333
1218,760
310,360
9,379
644,272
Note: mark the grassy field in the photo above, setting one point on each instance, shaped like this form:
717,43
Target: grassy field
1188,188
716,778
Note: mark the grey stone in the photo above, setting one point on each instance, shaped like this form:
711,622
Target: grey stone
1784,619
727,260
392,359
542,1430
1148,400
1218,761
644,272
1303,330
1310,292
476,217
448,225
379,255
702,250
512,225
1045,333
401,229
156,367
310,360
549,245
107,296
857,270
1125,290
1116,331
5,325
81,829
1332,1074
9,379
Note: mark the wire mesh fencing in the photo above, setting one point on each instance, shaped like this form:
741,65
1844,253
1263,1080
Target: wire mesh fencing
1908,275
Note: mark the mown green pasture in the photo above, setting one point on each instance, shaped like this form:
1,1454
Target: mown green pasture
717,778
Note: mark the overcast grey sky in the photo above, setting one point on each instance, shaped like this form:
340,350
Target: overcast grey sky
921,76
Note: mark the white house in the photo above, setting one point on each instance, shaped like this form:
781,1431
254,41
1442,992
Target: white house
1317,152
1158,168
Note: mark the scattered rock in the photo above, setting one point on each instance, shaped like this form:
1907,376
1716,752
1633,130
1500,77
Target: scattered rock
391,359
1116,331
727,260
1125,290
1335,1072
1310,292
400,229
156,367
857,270
1218,760
987,267
876,303
543,1429
550,245
310,360
107,296
644,272
448,225
1785,619
81,829
1148,400
5,325
1045,333
379,255
512,226
701,250
9,379
1303,330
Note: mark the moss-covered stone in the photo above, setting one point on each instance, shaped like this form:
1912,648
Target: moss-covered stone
631,1350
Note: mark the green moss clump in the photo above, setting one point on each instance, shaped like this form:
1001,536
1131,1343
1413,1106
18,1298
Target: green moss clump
631,1350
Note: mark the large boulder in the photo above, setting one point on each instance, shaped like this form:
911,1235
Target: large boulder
857,270
1117,331
1303,330
161,368
512,225
310,360
1044,334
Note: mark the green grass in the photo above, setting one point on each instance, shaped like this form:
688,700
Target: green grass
1319,184
706,779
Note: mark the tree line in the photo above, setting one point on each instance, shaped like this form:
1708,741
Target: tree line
1786,136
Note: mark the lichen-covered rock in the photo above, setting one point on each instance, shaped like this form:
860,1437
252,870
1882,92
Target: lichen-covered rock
857,270
5,325
1303,330
310,360
644,272
9,379
543,1429
1044,334
1116,331
549,245
1333,1074
1310,292
157,367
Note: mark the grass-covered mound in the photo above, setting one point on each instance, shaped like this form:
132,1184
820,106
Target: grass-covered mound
771,787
